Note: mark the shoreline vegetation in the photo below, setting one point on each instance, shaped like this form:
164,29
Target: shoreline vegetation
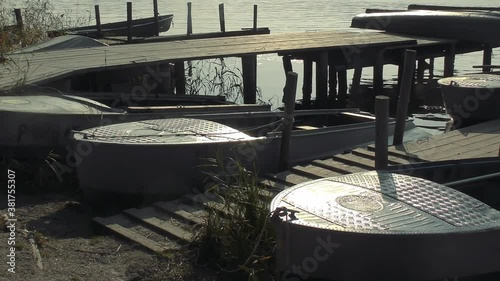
235,243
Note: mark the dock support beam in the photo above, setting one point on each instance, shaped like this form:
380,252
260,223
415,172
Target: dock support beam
487,53
189,20
222,18
289,99
420,70
404,96
356,84
449,60
378,73
255,18
322,80
431,68
249,67
180,78
381,132
307,86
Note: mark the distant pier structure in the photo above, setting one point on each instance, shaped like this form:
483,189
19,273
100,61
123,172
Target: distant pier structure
329,53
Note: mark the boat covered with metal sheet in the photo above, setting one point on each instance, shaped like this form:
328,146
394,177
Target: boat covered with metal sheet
393,225
471,99
480,26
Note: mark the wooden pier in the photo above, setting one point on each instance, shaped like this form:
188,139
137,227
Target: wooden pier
176,219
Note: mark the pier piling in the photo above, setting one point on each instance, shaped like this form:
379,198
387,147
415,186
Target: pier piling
381,131
378,73
189,19
307,83
342,92
155,11
249,67
289,99
254,18
180,78
449,60
98,20
404,96
322,80
222,18
129,21
19,18
332,84
487,53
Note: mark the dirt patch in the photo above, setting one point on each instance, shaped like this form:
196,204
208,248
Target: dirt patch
72,248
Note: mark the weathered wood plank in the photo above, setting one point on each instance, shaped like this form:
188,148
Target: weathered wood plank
393,160
115,224
189,213
289,177
315,172
160,221
336,166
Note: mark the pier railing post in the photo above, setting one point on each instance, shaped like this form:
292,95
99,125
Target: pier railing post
286,135
404,95
222,18
98,20
129,21
155,11
381,131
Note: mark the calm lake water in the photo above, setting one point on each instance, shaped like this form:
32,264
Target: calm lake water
278,15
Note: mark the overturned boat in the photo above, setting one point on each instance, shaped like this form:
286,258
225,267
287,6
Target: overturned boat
479,26
393,225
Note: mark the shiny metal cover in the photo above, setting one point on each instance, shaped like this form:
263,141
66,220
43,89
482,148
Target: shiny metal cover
384,203
163,131
472,81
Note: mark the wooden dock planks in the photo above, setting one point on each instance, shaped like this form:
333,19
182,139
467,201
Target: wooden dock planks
43,66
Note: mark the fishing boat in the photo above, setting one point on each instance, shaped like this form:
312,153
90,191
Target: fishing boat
479,26
426,221
140,28
44,122
471,99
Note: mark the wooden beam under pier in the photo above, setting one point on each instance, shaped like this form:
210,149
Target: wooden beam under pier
322,80
249,69
307,83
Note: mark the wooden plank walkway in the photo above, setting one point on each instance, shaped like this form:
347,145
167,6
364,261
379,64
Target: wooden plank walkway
477,141
40,67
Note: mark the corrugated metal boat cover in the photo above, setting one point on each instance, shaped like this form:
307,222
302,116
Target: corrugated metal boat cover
164,131
385,203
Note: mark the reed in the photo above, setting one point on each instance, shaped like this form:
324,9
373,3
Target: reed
237,239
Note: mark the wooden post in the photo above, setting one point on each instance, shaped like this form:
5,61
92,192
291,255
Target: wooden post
189,20
307,87
129,21
249,67
431,68
286,135
356,83
404,96
287,64
378,73
342,95
98,20
332,84
180,78
487,53
19,19
449,60
155,11
420,70
322,80
222,18
381,131
255,18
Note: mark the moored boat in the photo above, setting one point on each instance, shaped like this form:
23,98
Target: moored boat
461,25
388,225
471,99
140,28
